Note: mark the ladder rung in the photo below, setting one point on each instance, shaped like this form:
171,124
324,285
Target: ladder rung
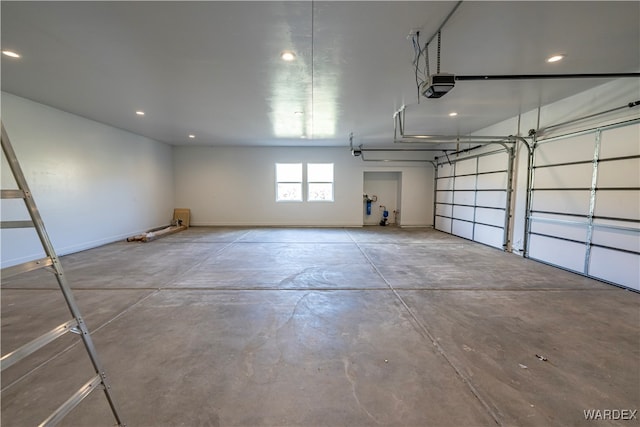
24,267
17,355
16,224
72,402
100,380
12,194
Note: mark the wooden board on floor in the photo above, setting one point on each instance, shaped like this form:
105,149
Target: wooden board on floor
153,235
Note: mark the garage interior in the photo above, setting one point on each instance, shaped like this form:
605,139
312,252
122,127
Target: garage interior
400,213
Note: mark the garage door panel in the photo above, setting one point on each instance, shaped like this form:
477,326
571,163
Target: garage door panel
491,236
568,176
558,252
563,150
465,167
464,197
620,142
463,212
492,181
445,170
493,162
444,184
492,199
462,229
619,173
443,210
465,183
624,238
574,202
615,266
444,197
490,216
443,224
618,204
566,230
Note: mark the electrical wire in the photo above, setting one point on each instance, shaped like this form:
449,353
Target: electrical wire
421,75
417,52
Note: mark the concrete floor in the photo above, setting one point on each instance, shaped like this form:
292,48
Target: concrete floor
324,327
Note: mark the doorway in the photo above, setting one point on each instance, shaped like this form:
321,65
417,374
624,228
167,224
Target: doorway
384,191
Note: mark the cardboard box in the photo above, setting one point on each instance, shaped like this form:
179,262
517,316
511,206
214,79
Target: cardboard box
182,214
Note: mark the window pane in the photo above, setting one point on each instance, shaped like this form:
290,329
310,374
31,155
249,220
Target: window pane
287,191
320,172
319,192
289,172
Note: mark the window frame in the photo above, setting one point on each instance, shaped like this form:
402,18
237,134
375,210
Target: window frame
309,182
278,182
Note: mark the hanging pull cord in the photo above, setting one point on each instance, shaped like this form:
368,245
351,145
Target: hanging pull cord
426,60
438,53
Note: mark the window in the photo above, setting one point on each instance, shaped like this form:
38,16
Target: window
289,182
319,179
320,182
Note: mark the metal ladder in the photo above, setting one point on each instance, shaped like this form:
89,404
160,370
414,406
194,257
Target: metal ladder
75,325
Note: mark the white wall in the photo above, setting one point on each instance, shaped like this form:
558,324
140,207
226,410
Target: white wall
93,183
236,186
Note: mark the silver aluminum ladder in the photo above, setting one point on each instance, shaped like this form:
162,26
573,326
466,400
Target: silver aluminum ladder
76,324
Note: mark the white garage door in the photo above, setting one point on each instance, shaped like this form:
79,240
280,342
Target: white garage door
585,203
472,196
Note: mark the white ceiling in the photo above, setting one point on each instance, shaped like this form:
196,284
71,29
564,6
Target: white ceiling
213,69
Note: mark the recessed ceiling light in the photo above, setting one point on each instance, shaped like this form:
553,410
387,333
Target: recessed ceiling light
287,55
140,113
10,53
453,114
556,58
192,136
